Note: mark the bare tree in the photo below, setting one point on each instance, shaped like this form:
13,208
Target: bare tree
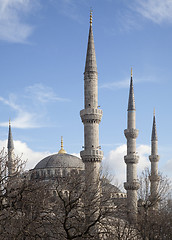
153,223
144,194
56,209
68,211
8,182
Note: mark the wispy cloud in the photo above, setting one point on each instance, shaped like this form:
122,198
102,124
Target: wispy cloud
43,94
12,26
157,11
30,115
134,13
70,8
116,85
23,119
125,83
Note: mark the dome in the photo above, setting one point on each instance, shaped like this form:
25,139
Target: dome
60,161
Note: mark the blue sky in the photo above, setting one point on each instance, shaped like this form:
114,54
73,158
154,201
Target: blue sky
43,48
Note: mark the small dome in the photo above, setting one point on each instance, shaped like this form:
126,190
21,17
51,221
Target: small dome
60,161
108,187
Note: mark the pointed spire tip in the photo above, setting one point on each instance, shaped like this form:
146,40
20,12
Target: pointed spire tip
62,151
90,65
154,131
10,144
131,101
91,16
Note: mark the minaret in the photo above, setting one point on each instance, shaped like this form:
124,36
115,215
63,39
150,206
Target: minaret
154,158
91,116
131,159
10,146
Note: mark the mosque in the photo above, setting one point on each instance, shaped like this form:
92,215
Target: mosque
62,163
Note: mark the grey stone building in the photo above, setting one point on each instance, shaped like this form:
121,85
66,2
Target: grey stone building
57,165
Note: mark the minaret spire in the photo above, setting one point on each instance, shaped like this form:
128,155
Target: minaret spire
91,116
131,159
154,132
10,146
131,101
91,65
154,158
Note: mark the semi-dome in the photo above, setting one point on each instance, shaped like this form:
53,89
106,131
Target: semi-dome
60,161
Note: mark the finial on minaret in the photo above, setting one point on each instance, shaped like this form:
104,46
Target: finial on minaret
131,72
9,122
62,151
154,112
91,16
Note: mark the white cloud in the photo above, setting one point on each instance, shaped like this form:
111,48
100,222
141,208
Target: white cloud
137,11
114,85
143,152
157,11
23,151
10,102
126,83
43,93
116,166
12,27
167,168
30,115
31,156
76,154
70,8
23,119
113,163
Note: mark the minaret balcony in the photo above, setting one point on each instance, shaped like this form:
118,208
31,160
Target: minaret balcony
154,158
91,115
131,158
91,155
154,178
135,185
131,133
